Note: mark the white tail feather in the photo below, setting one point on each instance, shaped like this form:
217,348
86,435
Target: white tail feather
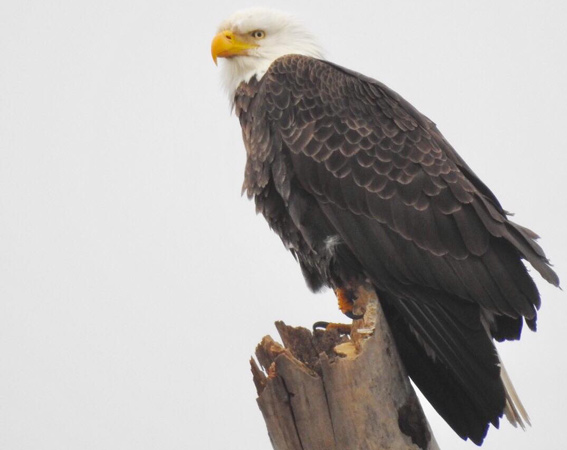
514,409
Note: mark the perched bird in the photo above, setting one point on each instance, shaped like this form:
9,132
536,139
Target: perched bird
363,188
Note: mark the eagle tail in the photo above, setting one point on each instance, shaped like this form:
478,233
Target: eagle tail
461,383
514,409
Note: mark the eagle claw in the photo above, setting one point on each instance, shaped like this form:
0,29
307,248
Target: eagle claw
342,328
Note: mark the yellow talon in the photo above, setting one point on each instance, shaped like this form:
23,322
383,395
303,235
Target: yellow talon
342,328
345,304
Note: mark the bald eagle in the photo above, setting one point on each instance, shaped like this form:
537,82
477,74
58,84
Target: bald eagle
363,188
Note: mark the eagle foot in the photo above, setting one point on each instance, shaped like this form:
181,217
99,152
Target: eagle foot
342,328
347,298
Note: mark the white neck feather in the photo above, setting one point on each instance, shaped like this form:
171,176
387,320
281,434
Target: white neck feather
284,36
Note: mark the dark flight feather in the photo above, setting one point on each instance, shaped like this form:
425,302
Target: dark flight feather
333,154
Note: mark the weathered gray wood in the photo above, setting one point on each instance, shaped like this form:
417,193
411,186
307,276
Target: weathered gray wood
323,391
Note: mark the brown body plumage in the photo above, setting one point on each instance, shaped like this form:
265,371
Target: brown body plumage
359,185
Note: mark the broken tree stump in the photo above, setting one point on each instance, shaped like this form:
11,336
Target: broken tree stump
324,391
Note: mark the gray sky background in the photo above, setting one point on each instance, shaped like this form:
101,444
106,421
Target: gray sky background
135,281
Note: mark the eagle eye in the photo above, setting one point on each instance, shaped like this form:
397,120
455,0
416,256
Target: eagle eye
258,34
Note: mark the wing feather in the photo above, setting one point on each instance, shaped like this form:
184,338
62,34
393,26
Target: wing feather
427,232
372,154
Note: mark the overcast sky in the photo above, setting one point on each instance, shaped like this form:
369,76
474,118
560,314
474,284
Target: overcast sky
135,281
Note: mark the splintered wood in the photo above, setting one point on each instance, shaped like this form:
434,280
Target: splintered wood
324,391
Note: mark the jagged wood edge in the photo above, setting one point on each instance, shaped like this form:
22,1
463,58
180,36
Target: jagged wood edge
326,392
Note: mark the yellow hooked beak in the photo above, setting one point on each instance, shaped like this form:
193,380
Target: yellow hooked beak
225,44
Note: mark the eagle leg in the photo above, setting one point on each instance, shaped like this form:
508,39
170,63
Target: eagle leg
346,299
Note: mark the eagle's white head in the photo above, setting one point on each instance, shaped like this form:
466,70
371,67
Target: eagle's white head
252,39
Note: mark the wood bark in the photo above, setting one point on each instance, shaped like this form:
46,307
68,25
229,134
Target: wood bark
326,391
